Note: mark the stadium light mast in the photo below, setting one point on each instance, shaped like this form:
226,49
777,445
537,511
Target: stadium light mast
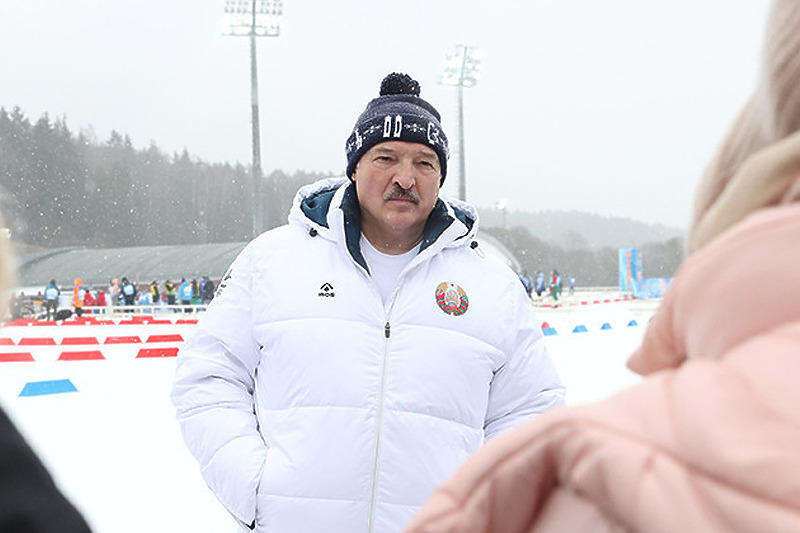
254,18
502,206
462,67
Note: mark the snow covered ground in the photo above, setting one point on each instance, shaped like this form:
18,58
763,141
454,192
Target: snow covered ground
115,449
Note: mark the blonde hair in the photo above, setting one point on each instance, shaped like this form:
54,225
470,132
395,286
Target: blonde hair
759,160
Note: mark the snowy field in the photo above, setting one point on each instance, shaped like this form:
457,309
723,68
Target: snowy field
113,444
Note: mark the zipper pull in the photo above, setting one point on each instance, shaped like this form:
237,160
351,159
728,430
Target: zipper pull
387,330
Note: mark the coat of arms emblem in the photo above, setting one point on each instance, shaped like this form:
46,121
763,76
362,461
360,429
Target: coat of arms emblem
451,299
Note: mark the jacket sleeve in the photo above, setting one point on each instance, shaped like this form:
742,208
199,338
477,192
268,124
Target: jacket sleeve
528,383
213,394
710,446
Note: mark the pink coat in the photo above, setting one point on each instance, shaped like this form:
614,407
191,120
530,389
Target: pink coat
709,442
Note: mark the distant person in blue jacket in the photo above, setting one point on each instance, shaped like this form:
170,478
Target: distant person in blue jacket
185,293
128,291
51,295
526,282
539,286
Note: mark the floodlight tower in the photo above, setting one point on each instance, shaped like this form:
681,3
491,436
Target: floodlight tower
462,67
502,206
254,18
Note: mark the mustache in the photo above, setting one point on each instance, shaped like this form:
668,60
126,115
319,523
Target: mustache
399,193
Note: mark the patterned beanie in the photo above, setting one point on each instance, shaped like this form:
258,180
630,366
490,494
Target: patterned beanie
758,162
398,114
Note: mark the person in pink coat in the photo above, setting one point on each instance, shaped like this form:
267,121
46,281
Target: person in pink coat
710,440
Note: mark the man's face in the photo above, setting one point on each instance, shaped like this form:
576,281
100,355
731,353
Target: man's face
397,184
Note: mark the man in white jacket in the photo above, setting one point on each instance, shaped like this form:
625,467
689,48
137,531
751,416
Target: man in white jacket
354,357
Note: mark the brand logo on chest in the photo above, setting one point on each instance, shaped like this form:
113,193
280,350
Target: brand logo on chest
326,291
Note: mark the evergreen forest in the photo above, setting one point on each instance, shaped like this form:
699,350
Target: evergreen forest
59,188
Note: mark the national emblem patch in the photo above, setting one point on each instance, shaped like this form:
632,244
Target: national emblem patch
451,299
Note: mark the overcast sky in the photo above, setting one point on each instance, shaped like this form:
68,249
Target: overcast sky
609,107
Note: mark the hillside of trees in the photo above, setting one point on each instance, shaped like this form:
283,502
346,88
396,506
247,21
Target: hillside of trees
59,188
63,189
577,229
590,266
585,245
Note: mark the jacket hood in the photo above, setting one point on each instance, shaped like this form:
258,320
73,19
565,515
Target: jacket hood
330,208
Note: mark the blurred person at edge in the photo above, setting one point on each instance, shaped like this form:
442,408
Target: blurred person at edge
354,357
30,501
710,440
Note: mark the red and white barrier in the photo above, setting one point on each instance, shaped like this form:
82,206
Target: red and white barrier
93,339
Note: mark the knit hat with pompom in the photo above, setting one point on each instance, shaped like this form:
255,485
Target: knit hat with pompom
398,114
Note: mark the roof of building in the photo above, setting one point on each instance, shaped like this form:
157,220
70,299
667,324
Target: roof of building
143,264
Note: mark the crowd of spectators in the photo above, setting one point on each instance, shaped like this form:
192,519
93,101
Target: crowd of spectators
58,302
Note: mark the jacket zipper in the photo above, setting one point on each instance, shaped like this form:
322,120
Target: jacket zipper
387,330
387,333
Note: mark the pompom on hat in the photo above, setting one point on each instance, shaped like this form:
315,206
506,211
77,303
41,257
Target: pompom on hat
398,114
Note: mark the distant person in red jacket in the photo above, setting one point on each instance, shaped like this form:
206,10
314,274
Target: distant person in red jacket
89,302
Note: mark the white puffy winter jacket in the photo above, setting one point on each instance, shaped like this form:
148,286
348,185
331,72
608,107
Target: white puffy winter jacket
313,407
